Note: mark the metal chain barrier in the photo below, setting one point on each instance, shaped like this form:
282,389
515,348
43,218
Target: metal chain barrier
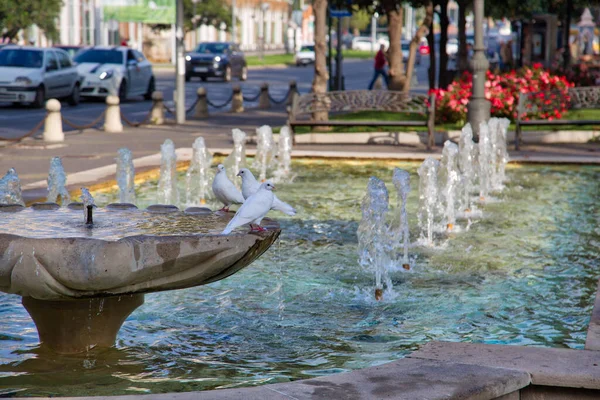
30,133
191,108
82,127
167,109
282,100
251,99
210,103
136,124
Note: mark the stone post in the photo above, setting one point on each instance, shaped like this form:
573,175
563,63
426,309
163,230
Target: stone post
263,99
112,118
237,101
292,91
53,131
157,114
201,109
478,109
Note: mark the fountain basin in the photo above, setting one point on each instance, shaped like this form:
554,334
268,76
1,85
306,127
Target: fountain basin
63,274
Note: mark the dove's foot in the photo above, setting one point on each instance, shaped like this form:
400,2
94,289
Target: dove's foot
257,228
224,209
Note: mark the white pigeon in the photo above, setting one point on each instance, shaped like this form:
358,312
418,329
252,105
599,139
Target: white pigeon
224,190
253,210
250,185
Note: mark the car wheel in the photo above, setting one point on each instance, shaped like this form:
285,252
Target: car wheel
40,97
244,74
187,77
123,91
203,78
74,97
227,75
151,89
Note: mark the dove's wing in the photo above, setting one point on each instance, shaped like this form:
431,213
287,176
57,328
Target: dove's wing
233,193
284,207
250,185
255,207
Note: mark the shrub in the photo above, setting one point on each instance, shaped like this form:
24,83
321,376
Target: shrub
503,91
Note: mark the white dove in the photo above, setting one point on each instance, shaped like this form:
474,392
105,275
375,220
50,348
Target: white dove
253,210
250,185
224,190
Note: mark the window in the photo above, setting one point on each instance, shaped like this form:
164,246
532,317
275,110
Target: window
139,56
212,48
99,56
51,62
64,60
21,58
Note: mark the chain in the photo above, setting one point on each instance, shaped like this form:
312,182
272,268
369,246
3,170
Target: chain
30,133
210,103
82,127
251,99
136,124
167,109
192,106
282,100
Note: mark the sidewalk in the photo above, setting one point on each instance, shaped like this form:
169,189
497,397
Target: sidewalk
94,148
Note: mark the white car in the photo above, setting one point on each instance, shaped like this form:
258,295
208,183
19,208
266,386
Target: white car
119,71
306,55
363,43
452,47
33,74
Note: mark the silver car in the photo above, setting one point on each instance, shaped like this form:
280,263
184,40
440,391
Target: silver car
33,74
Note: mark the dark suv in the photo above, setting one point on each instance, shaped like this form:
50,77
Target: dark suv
216,59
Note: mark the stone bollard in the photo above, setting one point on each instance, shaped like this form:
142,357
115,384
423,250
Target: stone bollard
237,101
263,99
293,90
53,131
112,118
157,114
201,109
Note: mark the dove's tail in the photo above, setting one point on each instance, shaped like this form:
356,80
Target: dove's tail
283,207
228,228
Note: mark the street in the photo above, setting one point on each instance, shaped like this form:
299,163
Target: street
15,121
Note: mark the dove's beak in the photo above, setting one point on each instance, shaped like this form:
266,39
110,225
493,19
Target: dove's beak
273,187
238,174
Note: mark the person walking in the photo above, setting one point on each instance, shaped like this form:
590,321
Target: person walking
380,62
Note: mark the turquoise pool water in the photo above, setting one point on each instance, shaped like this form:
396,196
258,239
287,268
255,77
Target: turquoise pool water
524,274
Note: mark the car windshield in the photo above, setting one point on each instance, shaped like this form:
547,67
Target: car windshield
212,48
307,48
21,58
100,56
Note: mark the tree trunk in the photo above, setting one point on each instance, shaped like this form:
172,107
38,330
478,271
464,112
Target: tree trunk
432,63
463,59
566,35
414,44
444,22
397,76
321,78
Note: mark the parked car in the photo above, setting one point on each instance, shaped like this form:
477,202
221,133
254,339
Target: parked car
406,52
363,43
452,47
306,55
216,59
115,71
34,74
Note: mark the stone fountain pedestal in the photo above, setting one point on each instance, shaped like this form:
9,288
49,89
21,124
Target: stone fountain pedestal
80,285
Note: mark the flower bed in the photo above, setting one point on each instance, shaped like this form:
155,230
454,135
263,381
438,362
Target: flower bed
549,95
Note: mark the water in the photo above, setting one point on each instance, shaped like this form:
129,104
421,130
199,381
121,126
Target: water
236,160
401,179
500,155
125,176
10,188
485,161
466,164
284,156
57,183
88,201
198,176
373,236
264,151
524,274
167,185
449,183
429,206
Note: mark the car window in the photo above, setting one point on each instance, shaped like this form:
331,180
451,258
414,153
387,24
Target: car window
51,61
130,56
63,58
99,56
307,48
139,56
21,58
212,48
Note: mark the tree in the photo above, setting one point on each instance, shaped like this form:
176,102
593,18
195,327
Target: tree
21,14
321,78
209,12
360,20
424,28
463,59
444,22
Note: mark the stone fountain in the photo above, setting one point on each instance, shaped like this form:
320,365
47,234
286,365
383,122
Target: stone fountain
79,280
